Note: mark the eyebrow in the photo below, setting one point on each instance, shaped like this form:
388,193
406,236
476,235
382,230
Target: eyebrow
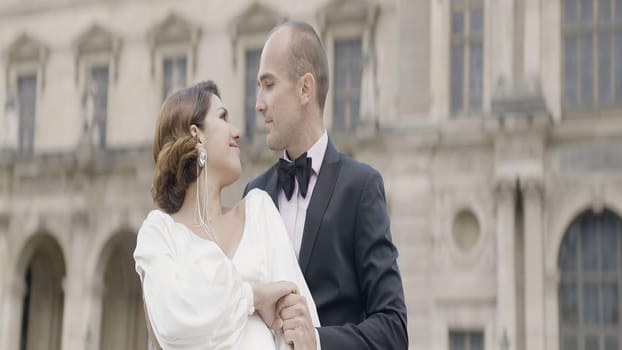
265,76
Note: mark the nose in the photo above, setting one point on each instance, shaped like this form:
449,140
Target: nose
235,133
260,105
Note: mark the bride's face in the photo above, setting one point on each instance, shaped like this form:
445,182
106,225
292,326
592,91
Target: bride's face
221,141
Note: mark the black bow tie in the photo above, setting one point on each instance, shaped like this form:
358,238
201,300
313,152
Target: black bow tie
298,169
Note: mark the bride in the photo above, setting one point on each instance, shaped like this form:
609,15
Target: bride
211,276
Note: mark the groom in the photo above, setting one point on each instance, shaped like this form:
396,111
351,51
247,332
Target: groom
334,207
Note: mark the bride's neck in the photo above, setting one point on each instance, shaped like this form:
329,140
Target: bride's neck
214,206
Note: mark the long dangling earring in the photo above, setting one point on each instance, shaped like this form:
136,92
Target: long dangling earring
202,157
200,213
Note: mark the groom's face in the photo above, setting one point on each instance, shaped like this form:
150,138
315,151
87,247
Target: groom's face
277,98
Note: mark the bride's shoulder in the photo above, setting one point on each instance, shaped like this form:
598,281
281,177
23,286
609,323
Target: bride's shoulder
156,216
156,221
257,195
259,201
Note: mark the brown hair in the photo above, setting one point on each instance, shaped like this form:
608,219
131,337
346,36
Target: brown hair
174,148
307,55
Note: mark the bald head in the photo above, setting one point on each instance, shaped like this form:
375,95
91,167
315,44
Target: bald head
306,54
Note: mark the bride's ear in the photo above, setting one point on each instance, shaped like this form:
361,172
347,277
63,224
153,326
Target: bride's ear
194,131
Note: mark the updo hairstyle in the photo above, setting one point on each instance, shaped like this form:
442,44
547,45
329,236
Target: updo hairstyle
174,148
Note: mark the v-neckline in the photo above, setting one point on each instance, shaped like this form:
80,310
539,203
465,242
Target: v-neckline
194,235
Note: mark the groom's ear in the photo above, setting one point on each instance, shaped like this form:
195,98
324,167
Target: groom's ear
307,88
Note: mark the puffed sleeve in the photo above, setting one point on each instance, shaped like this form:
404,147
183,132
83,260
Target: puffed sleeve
194,296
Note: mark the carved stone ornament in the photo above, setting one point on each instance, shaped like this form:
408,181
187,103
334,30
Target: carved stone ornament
174,30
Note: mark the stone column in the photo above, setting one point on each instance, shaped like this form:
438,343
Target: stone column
532,39
503,39
11,315
506,269
414,95
93,303
72,335
534,265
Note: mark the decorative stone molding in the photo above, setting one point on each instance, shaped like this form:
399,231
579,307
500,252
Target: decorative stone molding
518,148
505,189
256,19
28,56
523,98
355,19
362,13
532,188
80,220
97,41
590,160
174,31
26,50
466,230
598,197
519,156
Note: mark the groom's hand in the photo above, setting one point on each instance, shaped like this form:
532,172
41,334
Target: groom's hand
266,296
297,325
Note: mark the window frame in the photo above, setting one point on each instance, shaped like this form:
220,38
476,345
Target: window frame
348,124
86,64
165,42
248,31
26,56
173,54
333,34
465,41
250,131
595,31
20,147
468,332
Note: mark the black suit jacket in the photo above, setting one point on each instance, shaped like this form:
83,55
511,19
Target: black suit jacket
347,256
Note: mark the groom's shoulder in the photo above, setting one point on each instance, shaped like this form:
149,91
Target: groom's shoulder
260,181
357,168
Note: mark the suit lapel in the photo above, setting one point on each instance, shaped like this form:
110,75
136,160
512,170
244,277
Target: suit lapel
320,198
272,185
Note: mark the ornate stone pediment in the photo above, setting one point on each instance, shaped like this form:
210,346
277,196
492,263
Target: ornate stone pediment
256,18
26,48
97,39
361,12
173,30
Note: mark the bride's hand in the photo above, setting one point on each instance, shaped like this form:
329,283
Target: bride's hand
265,297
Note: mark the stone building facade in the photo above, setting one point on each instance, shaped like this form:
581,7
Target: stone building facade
497,125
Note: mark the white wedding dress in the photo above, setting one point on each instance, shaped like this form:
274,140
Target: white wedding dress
198,298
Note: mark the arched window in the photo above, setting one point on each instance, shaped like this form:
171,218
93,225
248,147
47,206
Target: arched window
44,298
590,263
123,322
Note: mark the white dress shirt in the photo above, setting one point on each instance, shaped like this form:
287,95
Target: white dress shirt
294,211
